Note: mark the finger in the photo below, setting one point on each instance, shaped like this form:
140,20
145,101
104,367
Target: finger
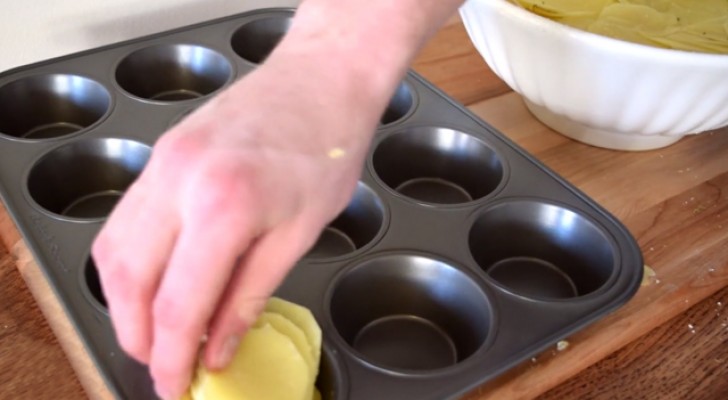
259,274
205,254
130,254
132,249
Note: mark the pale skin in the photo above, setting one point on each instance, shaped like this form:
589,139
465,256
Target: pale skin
235,194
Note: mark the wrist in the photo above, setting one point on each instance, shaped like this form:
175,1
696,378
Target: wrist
358,73
338,67
364,47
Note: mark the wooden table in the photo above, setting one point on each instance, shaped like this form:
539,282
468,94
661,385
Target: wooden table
669,342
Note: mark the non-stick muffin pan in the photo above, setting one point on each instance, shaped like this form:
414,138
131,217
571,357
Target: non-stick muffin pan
458,257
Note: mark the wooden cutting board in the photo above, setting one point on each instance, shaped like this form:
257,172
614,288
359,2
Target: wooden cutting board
674,200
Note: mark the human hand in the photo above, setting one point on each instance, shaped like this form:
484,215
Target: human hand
240,190
230,200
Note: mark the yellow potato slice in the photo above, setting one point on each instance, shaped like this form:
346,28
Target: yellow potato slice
303,318
267,366
296,334
678,24
278,359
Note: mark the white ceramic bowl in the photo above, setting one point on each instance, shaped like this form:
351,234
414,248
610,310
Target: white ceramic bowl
598,90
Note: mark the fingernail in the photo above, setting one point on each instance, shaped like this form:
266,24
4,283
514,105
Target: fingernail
228,351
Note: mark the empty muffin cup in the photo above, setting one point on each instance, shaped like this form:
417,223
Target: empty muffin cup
170,73
255,40
410,313
400,105
542,251
86,178
354,228
50,106
93,283
437,165
330,379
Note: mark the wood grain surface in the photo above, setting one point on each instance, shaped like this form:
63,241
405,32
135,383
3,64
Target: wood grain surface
669,342
32,364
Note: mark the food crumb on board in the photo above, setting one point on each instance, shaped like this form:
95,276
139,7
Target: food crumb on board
692,328
562,345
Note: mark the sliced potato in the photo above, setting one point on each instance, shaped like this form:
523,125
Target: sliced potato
296,334
267,366
278,359
678,24
303,318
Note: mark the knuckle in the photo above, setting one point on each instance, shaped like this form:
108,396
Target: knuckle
121,282
225,188
116,273
177,148
170,314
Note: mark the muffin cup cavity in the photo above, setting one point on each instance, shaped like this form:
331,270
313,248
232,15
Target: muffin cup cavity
330,381
400,105
171,73
410,313
356,227
458,256
50,106
85,179
437,165
255,40
542,251
93,284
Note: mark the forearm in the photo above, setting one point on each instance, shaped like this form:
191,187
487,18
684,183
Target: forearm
375,39
361,49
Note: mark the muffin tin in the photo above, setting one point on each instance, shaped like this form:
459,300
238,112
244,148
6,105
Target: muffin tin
458,257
